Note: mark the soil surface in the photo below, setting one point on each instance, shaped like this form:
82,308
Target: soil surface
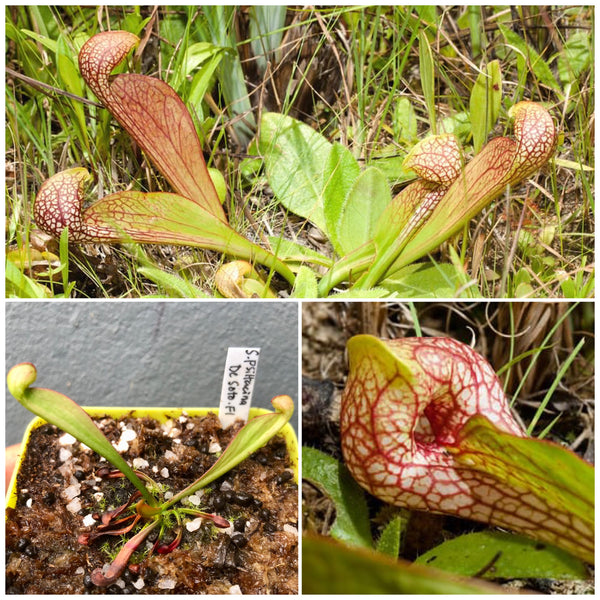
58,489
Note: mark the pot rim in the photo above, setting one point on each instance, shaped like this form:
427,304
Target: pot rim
161,414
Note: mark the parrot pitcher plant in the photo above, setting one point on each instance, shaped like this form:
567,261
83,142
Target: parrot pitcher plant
157,119
425,425
446,195
146,510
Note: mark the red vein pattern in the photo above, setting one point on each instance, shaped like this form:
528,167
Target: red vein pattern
153,114
394,431
403,412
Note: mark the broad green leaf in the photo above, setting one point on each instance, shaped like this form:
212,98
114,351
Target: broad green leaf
329,567
341,172
352,519
306,284
376,292
484,106
360,212
575,57
531,58
427,280
295,157
549,479
389,540
252,436
499,555
61,411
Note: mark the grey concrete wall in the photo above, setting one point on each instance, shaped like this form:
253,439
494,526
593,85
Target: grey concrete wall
131,353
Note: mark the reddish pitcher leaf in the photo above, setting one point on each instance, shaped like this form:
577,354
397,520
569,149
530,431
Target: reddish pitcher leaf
416,431
503,161
555,501
153,114
447,196
155,218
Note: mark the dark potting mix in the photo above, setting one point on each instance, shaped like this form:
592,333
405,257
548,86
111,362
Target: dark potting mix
61,496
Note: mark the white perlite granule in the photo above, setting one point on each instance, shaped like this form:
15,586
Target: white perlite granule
214,448
290,529
139,584
88,521
128,435
194,525
170,456
167,584
71,491
66,439
74,506
140,463
235,589
64,455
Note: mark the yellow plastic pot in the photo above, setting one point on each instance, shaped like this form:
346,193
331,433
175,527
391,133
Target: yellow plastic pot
161,414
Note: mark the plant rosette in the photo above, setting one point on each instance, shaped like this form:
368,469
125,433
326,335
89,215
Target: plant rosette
238,534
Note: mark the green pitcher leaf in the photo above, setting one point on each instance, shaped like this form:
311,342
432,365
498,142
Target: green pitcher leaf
252,436
329,567
499,555
60,410
332,478
295,156
554,486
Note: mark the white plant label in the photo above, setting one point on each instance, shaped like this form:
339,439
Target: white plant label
238,384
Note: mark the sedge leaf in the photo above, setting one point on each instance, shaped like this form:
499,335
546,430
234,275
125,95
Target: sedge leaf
484,105
426,68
